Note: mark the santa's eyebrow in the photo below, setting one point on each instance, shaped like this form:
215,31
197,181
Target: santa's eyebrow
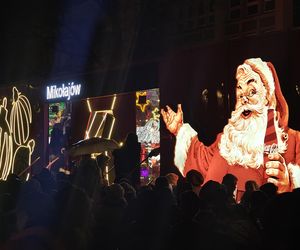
249,81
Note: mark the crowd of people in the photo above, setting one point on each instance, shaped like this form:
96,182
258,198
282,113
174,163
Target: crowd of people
80,211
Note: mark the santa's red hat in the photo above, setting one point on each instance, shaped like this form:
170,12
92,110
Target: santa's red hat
269,77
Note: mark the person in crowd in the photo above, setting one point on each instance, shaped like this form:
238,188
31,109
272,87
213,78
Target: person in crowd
102,161
250,187
195,178
280,222
230,183
109,217
269,189
130,192
127,160
87,176
172,179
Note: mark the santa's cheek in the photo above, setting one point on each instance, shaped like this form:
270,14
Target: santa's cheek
255,101
238,104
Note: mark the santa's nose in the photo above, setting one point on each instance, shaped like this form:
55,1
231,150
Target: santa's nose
245,100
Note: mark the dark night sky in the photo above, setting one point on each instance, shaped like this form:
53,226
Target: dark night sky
37,36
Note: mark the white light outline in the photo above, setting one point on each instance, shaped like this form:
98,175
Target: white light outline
90,124
111,128
18,132
7,145
106,169
103,119
20,103
89,105
113,102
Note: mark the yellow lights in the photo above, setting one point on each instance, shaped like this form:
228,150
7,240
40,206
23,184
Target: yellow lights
106,174
113,102
101,122
121,144
94,155
141,100
5,141
20,117
89,105
14,134
219,94
94,121
155,114
111,128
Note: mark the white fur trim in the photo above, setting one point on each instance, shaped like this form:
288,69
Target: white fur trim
294,172
183,143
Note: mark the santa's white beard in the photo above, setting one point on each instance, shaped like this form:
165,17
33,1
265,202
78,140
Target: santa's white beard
242,141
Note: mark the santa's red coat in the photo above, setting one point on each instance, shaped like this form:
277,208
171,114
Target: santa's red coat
191,153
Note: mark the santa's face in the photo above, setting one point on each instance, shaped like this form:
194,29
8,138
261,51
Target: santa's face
250,92
242,141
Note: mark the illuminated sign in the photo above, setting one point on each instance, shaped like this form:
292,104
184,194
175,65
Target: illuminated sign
63,91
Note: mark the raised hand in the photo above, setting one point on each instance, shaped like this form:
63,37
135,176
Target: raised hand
277,168
173,120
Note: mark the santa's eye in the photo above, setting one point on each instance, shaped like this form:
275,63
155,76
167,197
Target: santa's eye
252,92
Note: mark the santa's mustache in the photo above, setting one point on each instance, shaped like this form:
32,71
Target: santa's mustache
256,109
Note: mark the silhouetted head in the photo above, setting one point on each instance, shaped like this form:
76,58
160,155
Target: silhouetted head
102,160
161,182
230,182
269,189
172,178
251,186
212,192
130,192
195,178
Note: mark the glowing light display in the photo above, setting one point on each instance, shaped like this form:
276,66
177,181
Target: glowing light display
148,132
113,102
141,100
14,133
98,119
155,114
101,124
20,117
89,105
5,142
111,128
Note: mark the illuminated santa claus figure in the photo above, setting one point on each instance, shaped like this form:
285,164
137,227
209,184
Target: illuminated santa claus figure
256,144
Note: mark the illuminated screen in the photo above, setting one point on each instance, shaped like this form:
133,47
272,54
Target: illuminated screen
148,132
58,127
114,117
237,126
